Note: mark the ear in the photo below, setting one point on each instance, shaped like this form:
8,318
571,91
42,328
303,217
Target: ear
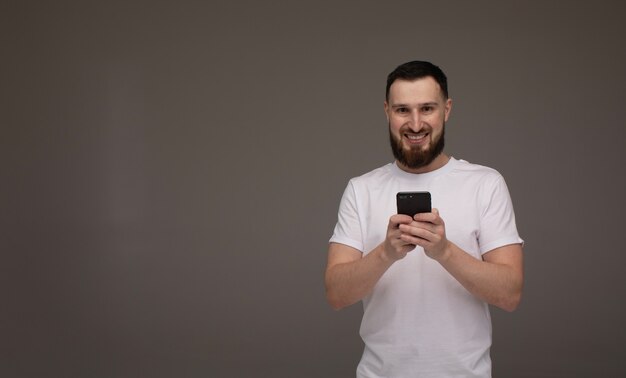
448,109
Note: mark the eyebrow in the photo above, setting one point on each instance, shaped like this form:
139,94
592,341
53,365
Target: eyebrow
432,103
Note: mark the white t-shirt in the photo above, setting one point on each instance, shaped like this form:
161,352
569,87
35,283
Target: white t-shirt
419,321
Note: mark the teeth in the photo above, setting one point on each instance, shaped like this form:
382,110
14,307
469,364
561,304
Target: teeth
418,136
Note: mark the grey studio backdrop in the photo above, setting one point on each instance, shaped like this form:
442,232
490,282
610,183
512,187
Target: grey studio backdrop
171,173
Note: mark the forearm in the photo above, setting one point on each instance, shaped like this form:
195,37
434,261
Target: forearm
495,282
349,282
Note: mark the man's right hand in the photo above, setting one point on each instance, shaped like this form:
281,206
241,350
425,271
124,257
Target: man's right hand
351,275
394,247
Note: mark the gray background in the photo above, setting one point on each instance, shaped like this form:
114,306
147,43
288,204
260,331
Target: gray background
171,173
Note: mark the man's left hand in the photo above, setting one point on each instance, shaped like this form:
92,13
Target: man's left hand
427,230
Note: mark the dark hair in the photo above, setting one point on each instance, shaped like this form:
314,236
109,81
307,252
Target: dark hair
417,70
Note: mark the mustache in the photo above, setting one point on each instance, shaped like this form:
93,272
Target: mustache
407,130
416,158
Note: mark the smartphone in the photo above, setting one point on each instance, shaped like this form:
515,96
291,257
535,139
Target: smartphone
411,203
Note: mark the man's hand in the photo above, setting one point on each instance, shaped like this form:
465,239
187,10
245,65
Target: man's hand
427,230
497,278
395,247
351,275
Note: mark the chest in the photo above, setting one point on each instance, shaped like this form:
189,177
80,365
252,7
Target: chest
458,207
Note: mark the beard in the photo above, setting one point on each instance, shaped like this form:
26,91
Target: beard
415,158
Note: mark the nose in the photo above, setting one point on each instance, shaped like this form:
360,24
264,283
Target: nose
415,124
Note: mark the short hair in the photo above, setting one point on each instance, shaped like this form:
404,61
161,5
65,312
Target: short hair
417,70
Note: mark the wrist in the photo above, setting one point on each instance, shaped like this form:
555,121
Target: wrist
445,254
385,257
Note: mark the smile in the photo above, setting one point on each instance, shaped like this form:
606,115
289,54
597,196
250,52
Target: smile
416,138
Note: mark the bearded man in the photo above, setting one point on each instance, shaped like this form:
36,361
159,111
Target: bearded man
426,282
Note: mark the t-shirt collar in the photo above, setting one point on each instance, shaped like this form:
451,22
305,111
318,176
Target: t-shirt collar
398,172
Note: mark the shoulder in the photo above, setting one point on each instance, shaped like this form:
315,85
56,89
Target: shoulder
480,181
480,173
373,177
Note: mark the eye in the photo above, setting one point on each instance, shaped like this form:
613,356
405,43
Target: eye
427,108
402,110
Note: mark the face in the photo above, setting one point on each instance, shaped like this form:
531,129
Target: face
417,112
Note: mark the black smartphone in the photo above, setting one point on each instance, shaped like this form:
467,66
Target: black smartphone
411,203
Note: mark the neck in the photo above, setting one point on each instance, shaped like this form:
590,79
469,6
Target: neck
441,160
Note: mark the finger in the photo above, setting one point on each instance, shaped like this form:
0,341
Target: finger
432,217
427,226
422,233
423,217
398,219
414,240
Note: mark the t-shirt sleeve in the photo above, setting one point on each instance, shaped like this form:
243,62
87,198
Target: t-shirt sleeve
348,228
497,221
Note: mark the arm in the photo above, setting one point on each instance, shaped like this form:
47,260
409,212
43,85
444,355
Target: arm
350,276
497,279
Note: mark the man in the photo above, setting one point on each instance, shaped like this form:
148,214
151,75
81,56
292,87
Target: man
425,282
